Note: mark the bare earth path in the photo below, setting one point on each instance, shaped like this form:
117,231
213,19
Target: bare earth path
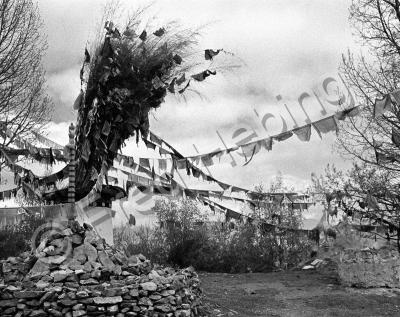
294,294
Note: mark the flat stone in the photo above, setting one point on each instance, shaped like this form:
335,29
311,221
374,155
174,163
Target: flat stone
28,294
42,284
85,251
106,261
149,286
112,309
90,281
54,259
40,268
38,313
8,303
107,300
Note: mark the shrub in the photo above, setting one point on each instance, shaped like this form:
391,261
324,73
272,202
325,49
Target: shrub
181,240
15,239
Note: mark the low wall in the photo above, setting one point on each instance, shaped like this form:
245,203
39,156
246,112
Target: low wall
369,268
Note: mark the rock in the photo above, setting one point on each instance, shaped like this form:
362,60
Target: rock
149,286
38,313
28,294
77,313
76,239
107,300
54,259
91,237
8,303
40,268
105,260
85,251
112,309
60,275
90,281
42,284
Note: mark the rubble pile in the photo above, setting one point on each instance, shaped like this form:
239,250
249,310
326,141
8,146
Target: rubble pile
74,273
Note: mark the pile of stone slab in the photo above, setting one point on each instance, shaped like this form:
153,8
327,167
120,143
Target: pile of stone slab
75,273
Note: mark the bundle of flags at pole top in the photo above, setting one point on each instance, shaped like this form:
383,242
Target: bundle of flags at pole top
122,79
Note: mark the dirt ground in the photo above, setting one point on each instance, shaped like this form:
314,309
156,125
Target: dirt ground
293,293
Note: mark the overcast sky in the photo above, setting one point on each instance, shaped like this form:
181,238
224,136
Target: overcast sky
287,50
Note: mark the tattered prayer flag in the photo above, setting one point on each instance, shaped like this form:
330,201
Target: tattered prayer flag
78,100
143,36
207,160
266,143
155,139
382,105
177,59
195,172
106,128
283,136
171,87
144,162
107,50
181,164
303,133
181,80
87,56
157,82
250,148
163,151
118,158
129,33
159,32
209,54
86,151
382,158
203,75
326,125
396,137
396,96
351,112
184,88
162,164
149,144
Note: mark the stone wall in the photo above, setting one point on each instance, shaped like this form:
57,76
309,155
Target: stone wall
369,267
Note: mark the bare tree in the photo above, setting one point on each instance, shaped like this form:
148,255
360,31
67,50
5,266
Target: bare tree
24,105
372,189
